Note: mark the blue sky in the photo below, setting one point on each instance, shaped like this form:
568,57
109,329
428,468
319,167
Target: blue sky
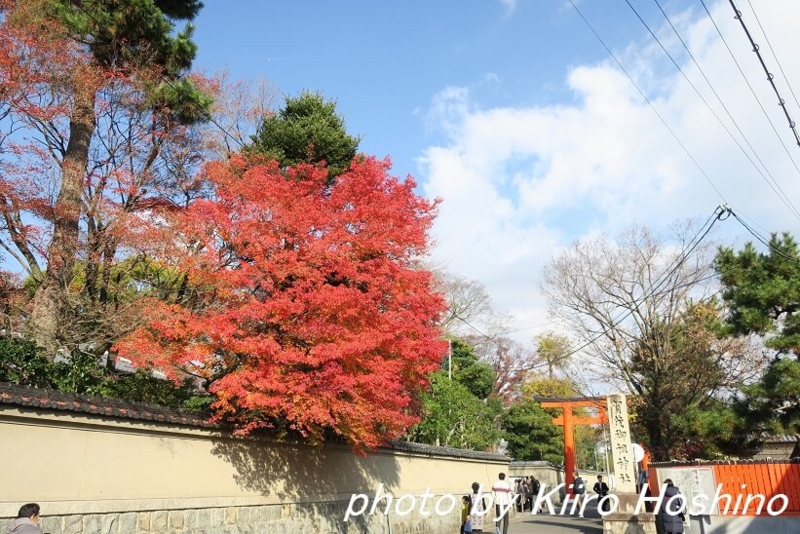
514,114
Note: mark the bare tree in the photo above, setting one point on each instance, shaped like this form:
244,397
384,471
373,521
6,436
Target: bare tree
468,304
511,361
633,305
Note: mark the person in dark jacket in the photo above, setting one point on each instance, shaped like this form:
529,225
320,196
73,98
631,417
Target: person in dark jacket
670,512
601,489
27,521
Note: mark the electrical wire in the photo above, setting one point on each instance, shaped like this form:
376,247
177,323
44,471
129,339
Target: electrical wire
776,188
718,215
749,86
650,103
769,44
763,240
770,76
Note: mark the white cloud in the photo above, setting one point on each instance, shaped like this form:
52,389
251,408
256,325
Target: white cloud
520,182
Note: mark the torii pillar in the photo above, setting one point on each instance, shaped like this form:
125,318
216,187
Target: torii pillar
568,420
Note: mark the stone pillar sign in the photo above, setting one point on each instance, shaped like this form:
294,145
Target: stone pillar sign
623,465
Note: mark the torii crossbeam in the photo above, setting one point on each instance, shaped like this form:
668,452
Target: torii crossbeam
568,420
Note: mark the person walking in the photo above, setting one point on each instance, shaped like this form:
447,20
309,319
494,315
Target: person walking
477,513
27,520
536,488
579,489
503,499
670,514
601,489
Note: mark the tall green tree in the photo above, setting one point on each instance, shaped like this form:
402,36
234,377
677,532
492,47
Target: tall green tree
762,293
477,376
459,410
307,130
531,434
454,417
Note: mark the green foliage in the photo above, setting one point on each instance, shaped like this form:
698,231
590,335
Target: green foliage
81,375
554,349
307,130
773,403
22,363
477,376
132,32
586,441
557,388
454,417
680,366
708,432
459,412
531,435
762,292
182,100
131,35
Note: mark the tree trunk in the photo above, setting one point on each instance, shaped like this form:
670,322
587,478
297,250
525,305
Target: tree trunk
46,322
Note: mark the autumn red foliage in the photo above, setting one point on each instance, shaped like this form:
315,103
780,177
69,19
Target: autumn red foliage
310,311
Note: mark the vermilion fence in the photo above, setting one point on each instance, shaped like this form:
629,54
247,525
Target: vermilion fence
738,479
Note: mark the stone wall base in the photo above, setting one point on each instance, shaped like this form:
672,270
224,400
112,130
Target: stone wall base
625,520
321,518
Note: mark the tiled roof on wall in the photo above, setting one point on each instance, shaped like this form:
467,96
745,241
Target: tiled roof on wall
28,397
422,448
51,400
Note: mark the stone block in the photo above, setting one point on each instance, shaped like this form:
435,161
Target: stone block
159,521
231,516
91,524
73,524
624,523
176,520
51,525
191,519
143,522
204,518
264,514
127,523
218,518
109,524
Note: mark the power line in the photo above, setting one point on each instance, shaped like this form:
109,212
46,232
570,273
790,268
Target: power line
758,21
646,99
763,239
779,191
770,76
749,86
718,215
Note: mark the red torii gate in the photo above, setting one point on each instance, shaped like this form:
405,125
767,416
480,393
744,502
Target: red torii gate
568,420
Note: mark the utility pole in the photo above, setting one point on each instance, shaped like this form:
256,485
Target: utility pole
606,446
449,359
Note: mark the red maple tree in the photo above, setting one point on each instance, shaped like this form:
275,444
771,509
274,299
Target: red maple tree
308,311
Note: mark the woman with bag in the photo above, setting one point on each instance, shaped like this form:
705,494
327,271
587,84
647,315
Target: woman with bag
477,511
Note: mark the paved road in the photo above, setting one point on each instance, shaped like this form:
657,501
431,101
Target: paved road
527,523
555,524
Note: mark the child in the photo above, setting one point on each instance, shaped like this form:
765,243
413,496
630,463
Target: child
466,504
